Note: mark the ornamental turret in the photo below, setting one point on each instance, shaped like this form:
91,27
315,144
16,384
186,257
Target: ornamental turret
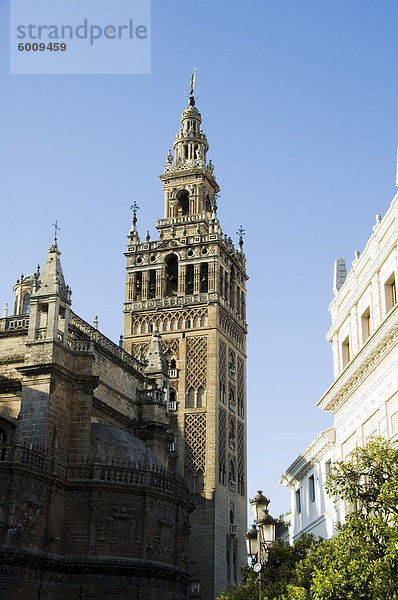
189,184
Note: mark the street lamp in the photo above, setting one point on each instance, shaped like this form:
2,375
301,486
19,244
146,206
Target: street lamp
259,541
251,543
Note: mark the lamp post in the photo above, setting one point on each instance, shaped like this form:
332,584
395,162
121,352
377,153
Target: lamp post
259,541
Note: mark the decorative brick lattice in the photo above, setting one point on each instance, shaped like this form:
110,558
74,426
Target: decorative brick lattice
196,362
241,457
231,330
139,350
222,436
195,441
223,362
171,320
171,346
240,381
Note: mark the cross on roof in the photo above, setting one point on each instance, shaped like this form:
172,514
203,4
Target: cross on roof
56,228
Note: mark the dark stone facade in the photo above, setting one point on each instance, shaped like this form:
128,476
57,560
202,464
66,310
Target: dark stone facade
89,507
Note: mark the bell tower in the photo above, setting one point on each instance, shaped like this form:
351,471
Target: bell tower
190,286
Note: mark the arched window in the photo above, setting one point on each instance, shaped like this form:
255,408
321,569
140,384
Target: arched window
152,283
182,203
204,277
190,401
26,304
231,474
200,398
195,481
199,482
173,364
221,472
231,435
232,287
138,287
189,279
189,480
171,275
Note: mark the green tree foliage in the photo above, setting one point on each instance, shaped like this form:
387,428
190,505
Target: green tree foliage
361,561
278,573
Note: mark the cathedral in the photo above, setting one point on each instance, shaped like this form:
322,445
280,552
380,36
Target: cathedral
123,466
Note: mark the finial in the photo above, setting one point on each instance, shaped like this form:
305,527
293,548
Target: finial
191,101
56,228
169,158
95,322
378,219
357,254
134,207
147,237
241,232
5,311
121,341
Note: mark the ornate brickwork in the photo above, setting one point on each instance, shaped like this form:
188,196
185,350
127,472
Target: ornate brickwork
241,457
196,362
222,445
231,330
195,441
171,347
139,350
223,370
240,381
189,318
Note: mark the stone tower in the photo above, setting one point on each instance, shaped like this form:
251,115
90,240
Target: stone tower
190,286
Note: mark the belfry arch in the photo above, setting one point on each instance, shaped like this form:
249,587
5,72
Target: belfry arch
182,204
171,272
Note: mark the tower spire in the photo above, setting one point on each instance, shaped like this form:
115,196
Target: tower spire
189,183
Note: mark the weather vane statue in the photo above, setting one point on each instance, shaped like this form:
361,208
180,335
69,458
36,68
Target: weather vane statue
193,79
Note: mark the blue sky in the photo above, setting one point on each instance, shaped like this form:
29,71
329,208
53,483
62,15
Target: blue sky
299,103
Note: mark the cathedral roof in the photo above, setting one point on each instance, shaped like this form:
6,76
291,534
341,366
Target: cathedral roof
111,445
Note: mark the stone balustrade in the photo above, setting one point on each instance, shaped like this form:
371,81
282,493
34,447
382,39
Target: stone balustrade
104,342
35,458
14,322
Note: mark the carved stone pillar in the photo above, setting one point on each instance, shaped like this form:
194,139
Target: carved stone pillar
196,279
212,273
181,281
130,288
145,285
159,283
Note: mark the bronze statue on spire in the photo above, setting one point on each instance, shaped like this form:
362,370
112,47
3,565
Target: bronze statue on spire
193,79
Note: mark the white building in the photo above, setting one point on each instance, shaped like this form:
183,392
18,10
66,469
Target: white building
363,396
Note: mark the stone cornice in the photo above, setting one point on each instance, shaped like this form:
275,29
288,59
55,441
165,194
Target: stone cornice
311,456
371,354
90,381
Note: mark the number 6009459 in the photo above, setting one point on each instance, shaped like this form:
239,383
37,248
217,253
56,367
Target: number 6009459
41,47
